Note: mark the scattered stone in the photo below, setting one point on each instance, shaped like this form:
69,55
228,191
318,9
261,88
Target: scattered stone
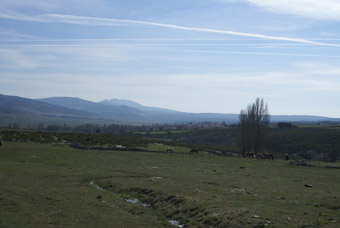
289,218
98,197
240,190
256,216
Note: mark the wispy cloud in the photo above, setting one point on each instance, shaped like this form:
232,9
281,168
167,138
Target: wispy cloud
320,69
314,9
263,53
98,21
161,45
5,33
20,17
15,59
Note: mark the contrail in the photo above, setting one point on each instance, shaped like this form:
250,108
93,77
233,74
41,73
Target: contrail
83,20
111,22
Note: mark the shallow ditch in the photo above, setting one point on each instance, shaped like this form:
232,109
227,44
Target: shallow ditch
178,211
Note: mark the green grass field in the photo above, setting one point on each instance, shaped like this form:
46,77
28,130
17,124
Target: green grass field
160,132
45,185
163,147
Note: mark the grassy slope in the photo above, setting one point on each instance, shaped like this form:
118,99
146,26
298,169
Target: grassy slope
48,186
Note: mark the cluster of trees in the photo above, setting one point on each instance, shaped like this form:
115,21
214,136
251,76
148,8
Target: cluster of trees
254,123
86,128
14,125
285,125
118,128
309,143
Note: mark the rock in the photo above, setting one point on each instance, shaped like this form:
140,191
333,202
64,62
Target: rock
256,216
98,197
308,186
242,167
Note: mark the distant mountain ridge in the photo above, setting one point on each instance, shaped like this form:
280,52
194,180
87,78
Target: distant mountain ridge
89,106
133,104
76,110
19,105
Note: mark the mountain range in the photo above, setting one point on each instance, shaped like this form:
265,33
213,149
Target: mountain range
71,110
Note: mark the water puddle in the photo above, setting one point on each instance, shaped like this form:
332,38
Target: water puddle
153,178
97,186
175,223
136,201
145,205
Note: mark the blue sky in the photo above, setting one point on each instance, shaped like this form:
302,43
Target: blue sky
187,55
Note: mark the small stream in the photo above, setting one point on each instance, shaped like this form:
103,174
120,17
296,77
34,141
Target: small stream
97,186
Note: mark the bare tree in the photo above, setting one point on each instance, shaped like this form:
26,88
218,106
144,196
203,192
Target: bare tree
254,123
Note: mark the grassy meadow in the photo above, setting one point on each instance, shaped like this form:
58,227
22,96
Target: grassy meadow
49,185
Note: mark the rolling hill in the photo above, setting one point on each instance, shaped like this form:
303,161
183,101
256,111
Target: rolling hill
75,111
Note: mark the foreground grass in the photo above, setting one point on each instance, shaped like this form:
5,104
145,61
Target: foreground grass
49,186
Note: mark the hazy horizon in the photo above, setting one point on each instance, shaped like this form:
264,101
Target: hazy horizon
198,56
122,99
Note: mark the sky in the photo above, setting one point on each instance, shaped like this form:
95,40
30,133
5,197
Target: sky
201,56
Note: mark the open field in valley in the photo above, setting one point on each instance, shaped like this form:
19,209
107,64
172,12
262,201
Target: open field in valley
49,185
